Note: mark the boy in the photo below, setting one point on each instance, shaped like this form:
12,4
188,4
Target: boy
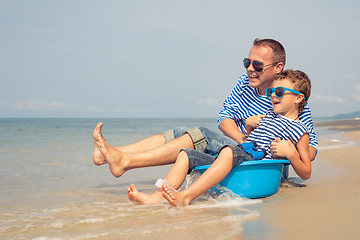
277,134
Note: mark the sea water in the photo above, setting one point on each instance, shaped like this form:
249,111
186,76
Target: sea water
50,188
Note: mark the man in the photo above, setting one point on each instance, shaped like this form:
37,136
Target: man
245,105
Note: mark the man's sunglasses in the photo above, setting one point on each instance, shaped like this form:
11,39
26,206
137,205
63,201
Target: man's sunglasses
257,65
280,91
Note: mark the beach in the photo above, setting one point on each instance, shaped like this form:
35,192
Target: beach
50,189
324,207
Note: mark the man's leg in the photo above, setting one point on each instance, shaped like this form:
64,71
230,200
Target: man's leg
120,162
140,146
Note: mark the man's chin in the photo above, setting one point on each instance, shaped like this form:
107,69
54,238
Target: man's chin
254,82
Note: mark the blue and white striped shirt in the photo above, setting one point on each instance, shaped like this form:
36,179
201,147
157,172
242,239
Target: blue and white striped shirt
275,125
245,101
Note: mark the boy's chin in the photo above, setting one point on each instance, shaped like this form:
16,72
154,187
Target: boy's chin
277,111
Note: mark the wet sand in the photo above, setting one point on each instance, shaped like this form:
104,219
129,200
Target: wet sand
325,207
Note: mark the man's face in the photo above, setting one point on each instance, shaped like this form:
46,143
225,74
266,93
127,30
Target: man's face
263,79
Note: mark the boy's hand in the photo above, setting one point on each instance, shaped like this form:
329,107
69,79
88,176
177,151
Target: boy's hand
282,148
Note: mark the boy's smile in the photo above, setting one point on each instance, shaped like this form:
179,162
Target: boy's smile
288,104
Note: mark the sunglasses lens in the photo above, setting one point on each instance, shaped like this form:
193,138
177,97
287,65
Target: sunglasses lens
247,62
258,66
269,92
279,92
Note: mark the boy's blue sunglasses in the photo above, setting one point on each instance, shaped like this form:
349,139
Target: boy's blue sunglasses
280,91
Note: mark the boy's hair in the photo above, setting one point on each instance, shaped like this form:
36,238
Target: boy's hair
301,82
278,49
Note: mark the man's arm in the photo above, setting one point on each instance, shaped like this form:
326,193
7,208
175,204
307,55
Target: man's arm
231,130
232,110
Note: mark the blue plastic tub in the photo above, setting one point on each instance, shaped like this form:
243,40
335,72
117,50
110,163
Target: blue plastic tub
254,179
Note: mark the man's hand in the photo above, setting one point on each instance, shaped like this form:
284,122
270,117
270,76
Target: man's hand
253,122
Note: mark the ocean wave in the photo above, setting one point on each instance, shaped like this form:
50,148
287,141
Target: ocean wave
222,214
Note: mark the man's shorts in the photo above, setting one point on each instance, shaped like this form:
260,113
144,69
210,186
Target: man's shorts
205,140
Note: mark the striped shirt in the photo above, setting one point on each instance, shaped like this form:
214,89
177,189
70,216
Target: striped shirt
275,125
245,101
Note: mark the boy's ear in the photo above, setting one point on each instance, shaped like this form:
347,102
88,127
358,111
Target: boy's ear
299,98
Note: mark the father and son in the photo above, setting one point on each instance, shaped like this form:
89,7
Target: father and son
268,106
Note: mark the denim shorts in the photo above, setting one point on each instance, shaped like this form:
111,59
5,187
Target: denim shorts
204,139
197,158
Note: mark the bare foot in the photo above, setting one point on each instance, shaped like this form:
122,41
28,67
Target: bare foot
143,198
176,199
98,158
114,157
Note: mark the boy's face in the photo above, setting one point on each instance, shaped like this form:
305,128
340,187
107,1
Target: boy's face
288,104
265,78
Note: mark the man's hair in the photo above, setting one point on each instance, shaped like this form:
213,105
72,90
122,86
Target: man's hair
278,49
301,82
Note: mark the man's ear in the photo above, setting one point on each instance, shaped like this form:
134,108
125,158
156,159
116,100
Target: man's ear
279,67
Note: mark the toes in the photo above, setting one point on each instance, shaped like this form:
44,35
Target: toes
133,188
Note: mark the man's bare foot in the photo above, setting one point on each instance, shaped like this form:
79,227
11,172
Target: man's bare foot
176,199
143,198
114,157
98,158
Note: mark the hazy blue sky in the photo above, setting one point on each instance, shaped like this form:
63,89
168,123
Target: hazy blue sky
166,58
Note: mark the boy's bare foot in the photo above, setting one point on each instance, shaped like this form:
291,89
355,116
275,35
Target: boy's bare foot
112,156
176,199
143,198
98,158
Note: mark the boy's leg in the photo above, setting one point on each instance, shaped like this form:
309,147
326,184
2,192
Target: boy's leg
175,177
212,176
119,162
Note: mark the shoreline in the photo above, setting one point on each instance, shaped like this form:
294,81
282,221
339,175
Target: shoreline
324,207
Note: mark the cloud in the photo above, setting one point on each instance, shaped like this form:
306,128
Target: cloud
356,95
352,77
209,102
327,98
37,105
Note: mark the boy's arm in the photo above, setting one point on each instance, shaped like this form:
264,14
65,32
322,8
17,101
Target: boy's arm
305,117
299,157
312,152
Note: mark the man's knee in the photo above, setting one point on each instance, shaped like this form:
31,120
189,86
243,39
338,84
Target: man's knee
169,135
174,133
197,138
196,135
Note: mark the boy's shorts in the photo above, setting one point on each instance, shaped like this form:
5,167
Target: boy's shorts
197,158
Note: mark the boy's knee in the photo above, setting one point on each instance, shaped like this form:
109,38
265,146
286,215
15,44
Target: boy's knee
227,150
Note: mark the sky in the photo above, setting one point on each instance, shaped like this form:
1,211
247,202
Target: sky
167,58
